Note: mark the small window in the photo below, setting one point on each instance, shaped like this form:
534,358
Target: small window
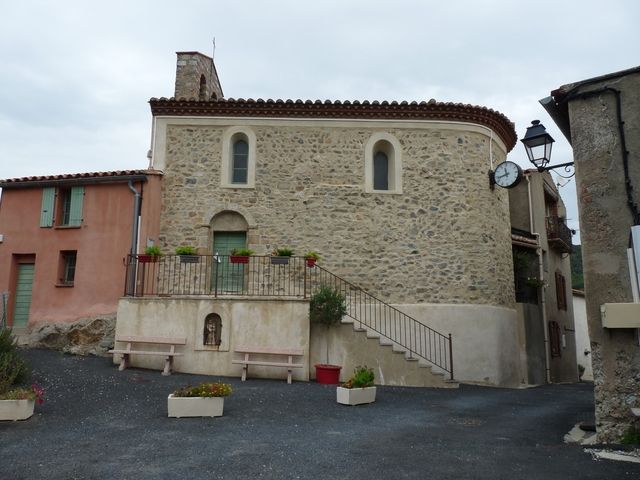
212,330
561,291
67,267
382,164
240,168
202,94
69,208
380,171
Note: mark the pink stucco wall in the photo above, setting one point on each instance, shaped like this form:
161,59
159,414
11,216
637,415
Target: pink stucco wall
102,242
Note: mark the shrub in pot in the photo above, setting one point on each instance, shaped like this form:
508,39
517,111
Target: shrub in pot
311,258
358,389
240,255
327,307
151,254
204,400
187,254
280,256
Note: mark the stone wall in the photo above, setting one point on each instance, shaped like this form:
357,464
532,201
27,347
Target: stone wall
605,222
190,68
445,239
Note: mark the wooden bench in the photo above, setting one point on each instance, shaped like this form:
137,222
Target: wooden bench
132,339
268,351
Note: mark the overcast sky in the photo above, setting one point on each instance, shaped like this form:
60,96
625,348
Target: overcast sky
77,76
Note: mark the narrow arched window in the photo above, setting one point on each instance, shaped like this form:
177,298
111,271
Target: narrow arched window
202,94
380,171
212,329
240,165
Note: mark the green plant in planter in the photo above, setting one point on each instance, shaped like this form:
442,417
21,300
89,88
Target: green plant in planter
13,369
153,250
327,307
186,250
215,389
311,255
242,252
535,282
362,377
282,252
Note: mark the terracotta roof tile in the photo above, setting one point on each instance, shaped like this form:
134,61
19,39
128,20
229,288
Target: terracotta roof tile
327,109
76,176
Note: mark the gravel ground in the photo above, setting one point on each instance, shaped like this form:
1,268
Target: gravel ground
98,423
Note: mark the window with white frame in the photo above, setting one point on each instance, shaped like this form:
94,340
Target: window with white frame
238,158
383,164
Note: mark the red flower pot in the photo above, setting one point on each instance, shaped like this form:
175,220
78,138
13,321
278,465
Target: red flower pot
147,258
328,374
311,262
239,259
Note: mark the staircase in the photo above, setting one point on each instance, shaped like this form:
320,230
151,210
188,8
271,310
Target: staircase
426,353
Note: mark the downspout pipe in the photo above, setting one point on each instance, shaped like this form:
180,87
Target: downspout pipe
134,238
543,288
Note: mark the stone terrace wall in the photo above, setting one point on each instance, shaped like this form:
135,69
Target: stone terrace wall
446,239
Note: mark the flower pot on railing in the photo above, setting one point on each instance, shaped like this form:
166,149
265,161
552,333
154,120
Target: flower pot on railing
187,254
280,256
311,262
279,260
311,258
148,258
189,259
239,259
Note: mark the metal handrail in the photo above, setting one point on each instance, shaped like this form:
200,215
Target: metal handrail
292,277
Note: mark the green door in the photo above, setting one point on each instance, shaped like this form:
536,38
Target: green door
24,286
228,277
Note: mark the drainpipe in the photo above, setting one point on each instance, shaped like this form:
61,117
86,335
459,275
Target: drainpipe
543,288
134,238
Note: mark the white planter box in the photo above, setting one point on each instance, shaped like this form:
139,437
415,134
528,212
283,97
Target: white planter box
356,396
195,406
16,409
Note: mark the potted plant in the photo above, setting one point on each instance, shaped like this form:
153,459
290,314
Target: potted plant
19,403
15,403
327,307
311,258
240,255
151,254
358,389
187,254
204,400
280,256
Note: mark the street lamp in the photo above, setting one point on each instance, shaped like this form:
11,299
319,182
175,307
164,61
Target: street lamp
537,142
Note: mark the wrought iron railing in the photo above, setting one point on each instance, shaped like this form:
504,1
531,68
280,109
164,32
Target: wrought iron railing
220,276
558,234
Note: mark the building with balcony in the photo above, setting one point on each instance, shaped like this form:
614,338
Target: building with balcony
387,192
542,276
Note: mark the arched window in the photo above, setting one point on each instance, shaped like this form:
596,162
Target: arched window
380,171
202,94
212,330
238,158
240,163
383,164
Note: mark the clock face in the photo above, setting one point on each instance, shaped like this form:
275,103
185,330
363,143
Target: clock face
507,174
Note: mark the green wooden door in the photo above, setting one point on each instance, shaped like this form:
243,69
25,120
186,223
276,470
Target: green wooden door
228,277
24,286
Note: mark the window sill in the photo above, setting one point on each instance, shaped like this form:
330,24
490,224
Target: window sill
64,285
237,185
66,227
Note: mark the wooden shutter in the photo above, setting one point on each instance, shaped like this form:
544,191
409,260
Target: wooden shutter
75,212
46,212
561,291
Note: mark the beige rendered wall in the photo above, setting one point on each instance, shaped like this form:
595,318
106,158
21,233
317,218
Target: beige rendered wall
101,242
583,343
485,344
445,239
250,322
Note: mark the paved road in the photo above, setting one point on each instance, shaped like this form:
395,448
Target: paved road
99,423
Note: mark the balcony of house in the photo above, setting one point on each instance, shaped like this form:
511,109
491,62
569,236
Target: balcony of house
559,235
222,276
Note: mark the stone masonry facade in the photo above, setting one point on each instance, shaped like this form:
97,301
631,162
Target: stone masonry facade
445,239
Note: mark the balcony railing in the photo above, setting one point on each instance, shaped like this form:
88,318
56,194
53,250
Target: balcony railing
217,275
559,235
264,276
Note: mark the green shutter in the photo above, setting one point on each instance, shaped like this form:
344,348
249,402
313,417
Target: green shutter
46,213
24,286
75,213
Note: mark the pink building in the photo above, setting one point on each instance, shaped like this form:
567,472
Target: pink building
63,241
